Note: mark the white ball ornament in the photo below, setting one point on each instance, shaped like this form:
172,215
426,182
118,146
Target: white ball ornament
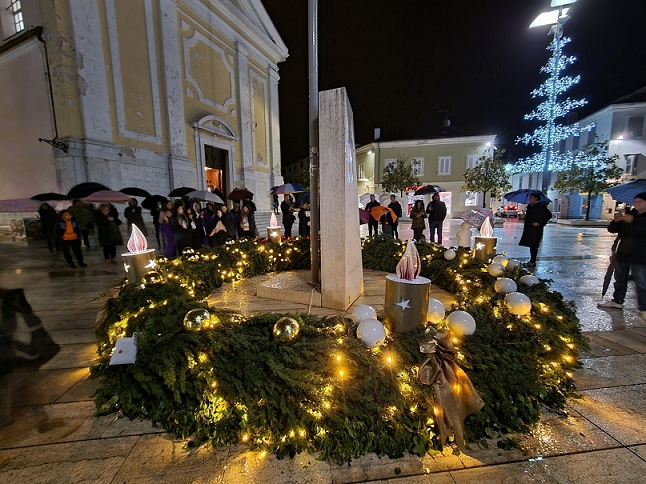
450,254
529,280
504,285
513,264
496,269
436,311
461,323
363,312
518,303
500,259
371,333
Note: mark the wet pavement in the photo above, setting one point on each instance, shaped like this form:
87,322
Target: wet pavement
48,431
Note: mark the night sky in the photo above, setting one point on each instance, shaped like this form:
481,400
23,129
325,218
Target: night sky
403,62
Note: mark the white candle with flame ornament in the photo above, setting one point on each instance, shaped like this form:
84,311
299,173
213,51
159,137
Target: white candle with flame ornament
140,259
407,293
273,231
485,244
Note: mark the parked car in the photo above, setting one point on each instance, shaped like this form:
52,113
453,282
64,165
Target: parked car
506,212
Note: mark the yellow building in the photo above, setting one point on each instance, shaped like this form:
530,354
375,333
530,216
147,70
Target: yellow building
440,161
151,93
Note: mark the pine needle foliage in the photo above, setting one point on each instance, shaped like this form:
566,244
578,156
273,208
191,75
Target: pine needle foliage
325,393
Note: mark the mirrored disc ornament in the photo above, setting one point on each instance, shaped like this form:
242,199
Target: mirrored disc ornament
197,320
518,303
371,333
286,330
436,311
363,312
505,285
152,277
496,269
529,280
513,264
450,254
461,323
500,259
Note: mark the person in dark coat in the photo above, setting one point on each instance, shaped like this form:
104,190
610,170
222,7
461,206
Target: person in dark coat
248,227
396,207
108,232
237,213
132,214
536,217
166,227
373,223
287,208
436,211
154,213
182,229
209,222
630,256
48,220
304,220
418,217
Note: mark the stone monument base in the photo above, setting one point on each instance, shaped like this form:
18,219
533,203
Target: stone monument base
290,286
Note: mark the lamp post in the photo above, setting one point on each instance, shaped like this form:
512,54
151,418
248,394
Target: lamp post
556,19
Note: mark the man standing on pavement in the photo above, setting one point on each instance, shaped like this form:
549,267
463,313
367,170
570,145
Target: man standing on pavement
436,211
372,222
536,217
630,255
395,206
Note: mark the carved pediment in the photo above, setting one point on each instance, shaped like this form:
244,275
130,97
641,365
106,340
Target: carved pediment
216,126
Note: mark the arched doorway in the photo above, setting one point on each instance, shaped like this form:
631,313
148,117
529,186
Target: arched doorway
215,151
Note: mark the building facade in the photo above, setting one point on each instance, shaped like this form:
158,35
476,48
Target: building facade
151,93
621,124
441,161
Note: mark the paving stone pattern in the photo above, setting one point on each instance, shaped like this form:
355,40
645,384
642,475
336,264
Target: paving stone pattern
48,431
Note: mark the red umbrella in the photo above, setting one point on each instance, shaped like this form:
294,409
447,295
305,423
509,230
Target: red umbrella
377,212
240,194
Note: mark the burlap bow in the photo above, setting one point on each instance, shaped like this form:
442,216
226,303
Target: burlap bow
454,394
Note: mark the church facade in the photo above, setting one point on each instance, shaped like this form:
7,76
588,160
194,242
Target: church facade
157,94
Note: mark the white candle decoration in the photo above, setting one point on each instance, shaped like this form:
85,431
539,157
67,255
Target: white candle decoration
140,259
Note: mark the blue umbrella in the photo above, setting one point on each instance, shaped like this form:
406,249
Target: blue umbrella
287,188
522,196
626,192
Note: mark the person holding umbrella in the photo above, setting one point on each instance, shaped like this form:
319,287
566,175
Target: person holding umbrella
132,214
436,211
630,255
536,217
287,208
418,215
373,223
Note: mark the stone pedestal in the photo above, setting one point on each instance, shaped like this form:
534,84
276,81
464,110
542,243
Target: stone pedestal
406,303
138,264
341,267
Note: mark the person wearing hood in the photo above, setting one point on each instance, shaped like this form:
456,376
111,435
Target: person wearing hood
48,220
68,234
536,217
132,213
108,232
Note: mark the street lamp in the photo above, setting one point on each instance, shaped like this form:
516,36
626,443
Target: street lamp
555,18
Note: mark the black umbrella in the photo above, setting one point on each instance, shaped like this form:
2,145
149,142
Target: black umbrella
49,196
428,189
135,192
522,196
181,192
151,201
86,189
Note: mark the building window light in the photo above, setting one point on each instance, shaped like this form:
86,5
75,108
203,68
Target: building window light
16,11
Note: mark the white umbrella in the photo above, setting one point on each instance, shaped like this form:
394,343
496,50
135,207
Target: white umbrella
205,196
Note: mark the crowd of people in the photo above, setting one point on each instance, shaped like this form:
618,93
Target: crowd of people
179,224
435,213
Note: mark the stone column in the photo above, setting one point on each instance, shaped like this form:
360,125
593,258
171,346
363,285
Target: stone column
341,266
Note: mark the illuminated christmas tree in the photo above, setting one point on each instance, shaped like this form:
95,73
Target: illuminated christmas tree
549,111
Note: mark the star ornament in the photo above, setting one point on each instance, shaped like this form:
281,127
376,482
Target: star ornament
479,246
404,304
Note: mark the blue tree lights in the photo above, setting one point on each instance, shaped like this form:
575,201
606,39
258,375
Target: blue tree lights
551,132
